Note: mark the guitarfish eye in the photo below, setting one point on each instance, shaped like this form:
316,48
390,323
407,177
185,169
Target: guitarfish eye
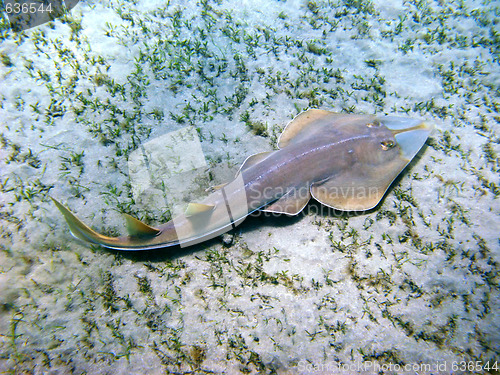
374,124
386,145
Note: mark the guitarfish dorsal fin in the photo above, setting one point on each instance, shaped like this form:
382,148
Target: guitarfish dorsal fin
137,228
252,160
198,208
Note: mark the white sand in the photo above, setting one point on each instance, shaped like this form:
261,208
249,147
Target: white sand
411,284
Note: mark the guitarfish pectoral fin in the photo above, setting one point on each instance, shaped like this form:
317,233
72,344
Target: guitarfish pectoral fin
308,124
137,228
291,203
357,190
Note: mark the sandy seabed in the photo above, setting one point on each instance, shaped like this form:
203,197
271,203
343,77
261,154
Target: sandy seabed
409,287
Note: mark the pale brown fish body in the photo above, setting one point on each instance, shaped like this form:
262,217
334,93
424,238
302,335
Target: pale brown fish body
346,162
